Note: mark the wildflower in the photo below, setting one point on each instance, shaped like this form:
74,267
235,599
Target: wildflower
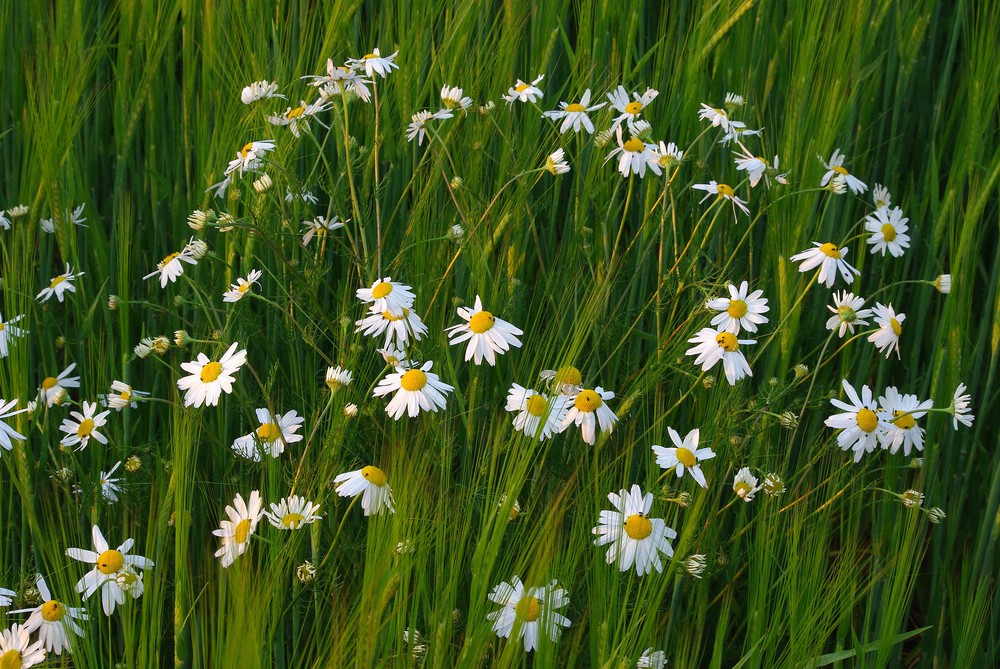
836,172
172,266
374,63
85,426
342,80
109,486
567,380
338,378
456,232
4,221
487,335
655,659
198,219
739,309
900,413
302,196
297,118
60,285
737,131
714,345
575,114
912,499
7,433
159,344
263,184
888,228
757,168
53,620
395,358
860,423
53,388
629,109
271,437
319,227
259,90
886,338
208,379
133,464
249,158
415,390
113,302
537,414
936,514
943,284
718,117
108,563
745,485
306,572
960,403
684,455
773,485
881,197
556,163
590,409
236,530
724,192
829,259
7,333
515,508
418,126
350,411
241,287
848,312
293,512
531,610
453,97
635,538
524,92
668,156
384,295
372,484
604,137
788,420
634,156
398,329
16,649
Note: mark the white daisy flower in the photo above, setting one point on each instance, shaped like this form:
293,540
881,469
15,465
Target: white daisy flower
250,157
528,611
537,414
718,117
399,330
6,597
319,227
8,434
668,156
860,423
16,649
487,335
635,538
4,221
384,295
371,483
901,413
259,90
374,63
734,100
108,563
415,390
881,197
336,377
418,126
524,92
241,287
652,659
395,357
453,97
960,407
172,267
17,211
835,171
829,259
737,131
297,118
714,345
293,512
343,81
634,156
302,196
566,380
739,309
240,525
684,455
60,285
53,388
847,312
757,167
208,379
590,409
109,486
7,333
80,430
574,114
53,620
943,284
270,438
889,323
745,485
629,110
888,228
556,162
724,192
122,395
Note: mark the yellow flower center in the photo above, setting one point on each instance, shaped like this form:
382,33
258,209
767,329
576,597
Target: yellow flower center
634,145
830,249
686,457
568,376
867,420
389,316
520,88
86,427
125,395
2,327
742,489
56,281
737,308
888,232
588,401
537,405
110,561
243,287
292,520
481,322
633,107
846,314
638,527
268,432
295,113
242,531
575,107
413,380
166,261
725,190
52,611
374,475
904,420
897,329
721,112
246,149
381,290
211,372
840,170
49,383
127,579
528,609
11,660
727,341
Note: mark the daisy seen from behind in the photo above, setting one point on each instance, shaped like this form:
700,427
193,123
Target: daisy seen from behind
713,345
830,260
291,513
259,90
740,310
888,228
890,327
634,537
835,171
537,414
208,379
415,390
375,63
16,649
123,395
8,434
684,455
528,611
847,312
525,92
81,427
109,486
588,410
240,524
901,413
372,484
53,620
575,114
453,97
860,422
8,331
241,287
724,192
634,156
652,659
270,438
961,404
53,388
108,563
60,285
487,335
319,227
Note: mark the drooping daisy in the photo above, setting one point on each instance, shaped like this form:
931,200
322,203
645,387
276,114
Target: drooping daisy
961,404
375,63
634,156
208,379
7,433
270,438
529,611
537,414
574,114
418,126
745,485
860,423
398,329
259,90
336,378
293,512
835,171
714,345
487,335
250,157
890,327
635,538
629,110
122,395
172,267
7,333
881,197
415,390
60,285
297,118
109,486
384,295
901,413
372,484
53,620
319,227
888,228
737,131
757,167
652,659
829,259
684,455
588,410
241,287
53,388
555,162
453,97
739,309
668,156
80,427
943,283
108,563
236,530
566,380
724,192
847,312
718,117
16,649
525,92
343,81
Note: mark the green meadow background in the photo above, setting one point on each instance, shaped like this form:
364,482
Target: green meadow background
133,108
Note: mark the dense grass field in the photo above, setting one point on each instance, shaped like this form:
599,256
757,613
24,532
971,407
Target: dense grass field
870,546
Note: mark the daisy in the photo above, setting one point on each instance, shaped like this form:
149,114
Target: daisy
259,90
271,437
829,259
122,395
4,221
374,63
293,512
718,117
738,130
250,157
53,388
574,114
835,171
524,92
901,413
960,407
373,483
108,563
881,197
629,110
886,338
319,227
236,530
452,97
418,126
566,380
684,455
487,335
59,285
16,649
635,538
556,162
172,267
745,485
714,345
634,155
537,414
53,620
943,283
755,166
848,312
384,295
343,81
241,287
297,118
7,333
529,610
414,389
80,430
724,192
395,357
860,423
586,404
6,596
109,486
302,196
668,156
652,659
739,309
399,330
7,433
17,211
338,378
888,228
208,379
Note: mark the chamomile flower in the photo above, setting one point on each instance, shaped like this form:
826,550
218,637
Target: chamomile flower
653,659
53,388
207,379
241,287
259,90
634,156
384,295
881,197
525,92
755,166
122,395
684,455
528,611
301,196
415,390
453,97
250,157
418,126
960,407
566,380
745,485
293,512
537,414
713,345
589,409
319,227
901,413
487,335
943,283
16,649
109,486
108,563
734,100
724,192
372,484
888,228
297,118
890,327
239,526
271,436
718,117
739,310
847,312
7,433
395,357
629,110
6,596
343,81
399,329
4,221
830,260
737,131
556,163
337,377
81,427
668,156
172,267
375,63
860,422
60,285
835,171
7,333
634,537
53,620
574,114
